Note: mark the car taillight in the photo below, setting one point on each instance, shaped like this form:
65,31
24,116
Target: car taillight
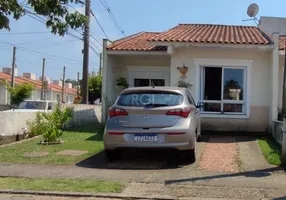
115,133
117,112
180,112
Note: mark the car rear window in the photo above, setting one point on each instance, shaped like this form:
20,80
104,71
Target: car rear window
153,98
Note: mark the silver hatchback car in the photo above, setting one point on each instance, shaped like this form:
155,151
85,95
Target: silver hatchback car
153,117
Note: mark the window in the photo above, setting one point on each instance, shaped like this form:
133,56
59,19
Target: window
154,98
223,90
58,97
140,82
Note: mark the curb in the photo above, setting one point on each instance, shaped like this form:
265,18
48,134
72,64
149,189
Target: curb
78,194
19,142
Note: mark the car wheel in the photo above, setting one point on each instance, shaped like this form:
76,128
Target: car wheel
189,155
111,155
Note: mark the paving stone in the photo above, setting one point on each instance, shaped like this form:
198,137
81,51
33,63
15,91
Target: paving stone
73,153
35,154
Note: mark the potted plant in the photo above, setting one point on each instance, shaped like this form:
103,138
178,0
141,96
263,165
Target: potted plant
184,84
183,70
122,82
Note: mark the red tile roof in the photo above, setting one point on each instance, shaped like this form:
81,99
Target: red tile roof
136,42
194,33
282,42
36,83
207,33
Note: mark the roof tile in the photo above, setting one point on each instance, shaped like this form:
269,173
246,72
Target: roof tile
208,33
136,42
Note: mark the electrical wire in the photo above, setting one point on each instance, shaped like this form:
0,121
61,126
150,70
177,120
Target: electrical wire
98,23
24,33
42,54
105,5
96,40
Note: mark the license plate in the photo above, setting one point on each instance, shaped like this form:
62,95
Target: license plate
145,137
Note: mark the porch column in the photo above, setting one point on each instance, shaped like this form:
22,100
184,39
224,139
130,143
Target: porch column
275,76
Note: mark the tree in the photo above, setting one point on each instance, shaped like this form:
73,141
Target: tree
95,86
19,93
59,18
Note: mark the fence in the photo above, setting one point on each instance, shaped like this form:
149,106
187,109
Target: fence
277,131
85,114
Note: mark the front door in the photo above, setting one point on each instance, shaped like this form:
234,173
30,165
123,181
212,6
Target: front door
141,82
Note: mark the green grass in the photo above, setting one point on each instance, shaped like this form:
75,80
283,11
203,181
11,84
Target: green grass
271,150
88,138
61,185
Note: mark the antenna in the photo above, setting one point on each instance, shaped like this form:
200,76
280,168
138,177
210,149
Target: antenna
252,11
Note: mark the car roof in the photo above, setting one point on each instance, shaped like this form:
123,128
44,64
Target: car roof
38,101
172,89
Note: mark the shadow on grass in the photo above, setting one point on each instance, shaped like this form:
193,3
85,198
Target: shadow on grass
97,137
136,159
88,128
255,173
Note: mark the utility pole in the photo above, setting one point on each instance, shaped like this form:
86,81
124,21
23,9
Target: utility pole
283,157
43,75
13,67
100,63
63,85
84,88
78,83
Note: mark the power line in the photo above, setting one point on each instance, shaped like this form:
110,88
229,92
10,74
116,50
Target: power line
23,33
94,50
105,5
96,40
98,23
42,54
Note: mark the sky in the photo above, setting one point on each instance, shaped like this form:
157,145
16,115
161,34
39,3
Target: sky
132,15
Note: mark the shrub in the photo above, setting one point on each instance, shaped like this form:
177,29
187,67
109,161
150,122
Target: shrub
50,124
19,93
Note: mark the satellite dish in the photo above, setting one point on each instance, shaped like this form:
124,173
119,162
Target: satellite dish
252,10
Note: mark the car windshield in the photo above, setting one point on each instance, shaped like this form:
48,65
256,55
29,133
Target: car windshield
150,99
37,105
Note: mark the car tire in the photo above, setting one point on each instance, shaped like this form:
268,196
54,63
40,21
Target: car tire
189,155
112,155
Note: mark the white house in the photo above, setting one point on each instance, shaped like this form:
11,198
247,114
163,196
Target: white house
235,70
53,93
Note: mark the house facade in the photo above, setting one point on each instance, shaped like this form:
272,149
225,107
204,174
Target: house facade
53,92
236,71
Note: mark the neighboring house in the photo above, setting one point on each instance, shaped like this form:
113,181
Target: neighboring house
53,93
235,70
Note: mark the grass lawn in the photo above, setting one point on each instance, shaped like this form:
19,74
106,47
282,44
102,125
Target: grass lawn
89,138
271,150
61,185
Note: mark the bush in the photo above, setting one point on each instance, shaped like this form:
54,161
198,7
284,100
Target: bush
51,125
19,93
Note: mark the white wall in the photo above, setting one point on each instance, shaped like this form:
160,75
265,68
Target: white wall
273,24
3,94
260,71
12,123
260,96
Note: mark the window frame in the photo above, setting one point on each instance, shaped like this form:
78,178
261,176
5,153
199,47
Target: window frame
226,63
223,101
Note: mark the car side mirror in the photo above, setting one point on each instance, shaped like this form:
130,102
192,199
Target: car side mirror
200,105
